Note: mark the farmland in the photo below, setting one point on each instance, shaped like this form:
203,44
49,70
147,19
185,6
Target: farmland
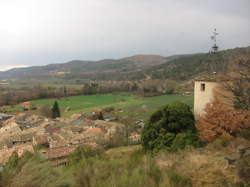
129,105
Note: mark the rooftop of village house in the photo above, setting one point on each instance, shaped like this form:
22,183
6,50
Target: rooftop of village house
5,116
61,135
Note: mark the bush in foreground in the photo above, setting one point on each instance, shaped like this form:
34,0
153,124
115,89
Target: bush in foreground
245,133
13,166
171,128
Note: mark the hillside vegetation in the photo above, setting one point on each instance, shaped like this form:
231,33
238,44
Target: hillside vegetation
179,67
188,67
130,166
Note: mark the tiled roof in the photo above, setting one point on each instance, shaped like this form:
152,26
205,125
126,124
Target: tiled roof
76,129
95,131
41,139
22,138
59,152
212,78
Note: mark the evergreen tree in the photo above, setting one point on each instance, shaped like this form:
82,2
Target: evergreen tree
65,91
56,110
170,128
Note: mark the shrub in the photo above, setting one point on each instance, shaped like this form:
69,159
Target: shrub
56,111
13,166
243,169
244,134
183,140
13,161
219,143
116,140
220,121
25,157
167,124
178,180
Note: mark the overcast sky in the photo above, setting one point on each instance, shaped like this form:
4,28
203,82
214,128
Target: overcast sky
37,32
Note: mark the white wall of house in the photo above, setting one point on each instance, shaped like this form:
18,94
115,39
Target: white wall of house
203,94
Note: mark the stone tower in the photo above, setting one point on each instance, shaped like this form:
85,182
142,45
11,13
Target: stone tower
203,94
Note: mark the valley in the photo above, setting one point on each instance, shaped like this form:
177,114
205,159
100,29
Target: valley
94,118
124,93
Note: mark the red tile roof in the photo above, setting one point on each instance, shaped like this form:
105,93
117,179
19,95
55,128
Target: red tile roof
59,152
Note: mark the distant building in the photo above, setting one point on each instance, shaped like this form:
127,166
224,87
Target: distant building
41,140
5,116
28,106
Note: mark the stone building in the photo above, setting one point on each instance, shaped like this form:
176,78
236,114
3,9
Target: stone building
5,116
209,88
204,93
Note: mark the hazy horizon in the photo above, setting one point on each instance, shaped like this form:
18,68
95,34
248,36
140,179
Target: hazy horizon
34,32
9,67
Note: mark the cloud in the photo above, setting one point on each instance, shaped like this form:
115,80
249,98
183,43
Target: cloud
36,32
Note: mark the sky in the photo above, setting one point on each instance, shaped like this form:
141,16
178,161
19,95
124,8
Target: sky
39,32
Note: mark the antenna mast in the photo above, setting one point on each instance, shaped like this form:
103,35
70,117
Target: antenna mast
213,38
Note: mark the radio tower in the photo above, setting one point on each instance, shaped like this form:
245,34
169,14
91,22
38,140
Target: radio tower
213,38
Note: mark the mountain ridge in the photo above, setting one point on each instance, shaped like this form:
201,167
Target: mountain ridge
178,67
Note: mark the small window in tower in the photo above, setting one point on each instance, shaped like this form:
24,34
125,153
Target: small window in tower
203,87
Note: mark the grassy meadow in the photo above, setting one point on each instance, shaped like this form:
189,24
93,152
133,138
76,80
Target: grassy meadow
129,105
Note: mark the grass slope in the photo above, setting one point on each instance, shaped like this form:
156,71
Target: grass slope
130,166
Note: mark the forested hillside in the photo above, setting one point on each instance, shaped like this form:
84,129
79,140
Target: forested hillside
188,67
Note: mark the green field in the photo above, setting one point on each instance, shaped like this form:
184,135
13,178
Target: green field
129,105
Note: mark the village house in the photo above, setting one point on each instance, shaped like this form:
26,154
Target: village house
21,139
11,129
41,140
5,116
4,144
58,155
56,138
6,153
28,106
